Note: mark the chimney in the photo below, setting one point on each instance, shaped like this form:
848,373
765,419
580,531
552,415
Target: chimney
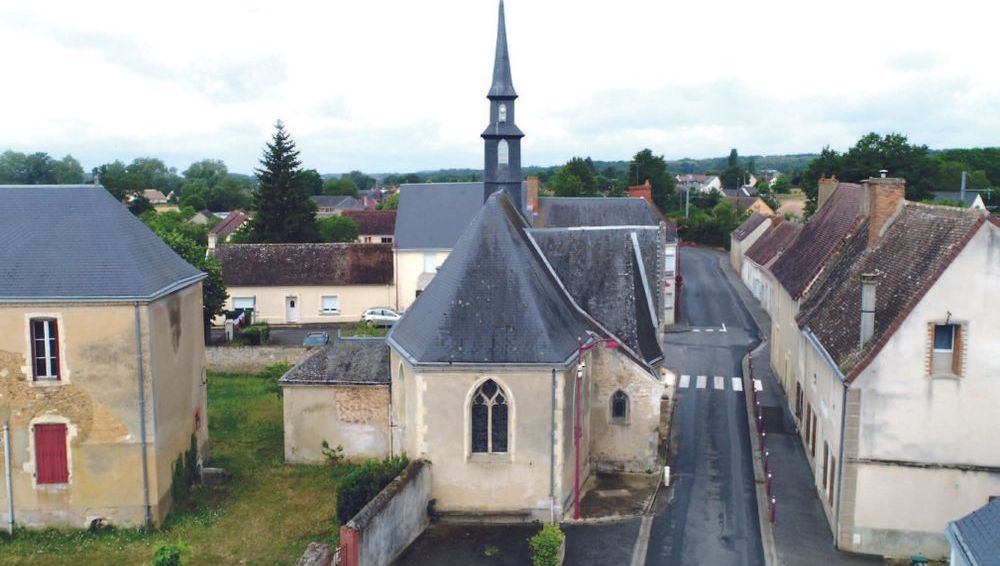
881,199
826,188
643,191
532,194
868,282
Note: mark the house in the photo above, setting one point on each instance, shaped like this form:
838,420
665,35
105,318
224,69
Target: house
102,360
744,236
307,283
154,196
753,204
758,260
899,379
975,538
374,226
971,199
335,205
223,231
340,395
202,217
370,198
698,183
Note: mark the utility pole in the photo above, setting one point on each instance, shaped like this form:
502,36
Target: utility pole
962,190
687,199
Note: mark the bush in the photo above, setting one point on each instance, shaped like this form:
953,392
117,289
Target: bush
170,554
363,328
256,334
545,545
360,485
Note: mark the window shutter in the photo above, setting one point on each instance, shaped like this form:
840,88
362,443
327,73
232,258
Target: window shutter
958,348
51,464
32,329
54,346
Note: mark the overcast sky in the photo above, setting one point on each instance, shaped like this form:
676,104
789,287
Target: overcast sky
400,85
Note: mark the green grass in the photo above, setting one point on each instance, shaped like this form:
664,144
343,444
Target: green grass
267,514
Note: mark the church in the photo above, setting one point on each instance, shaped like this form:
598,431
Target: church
530,361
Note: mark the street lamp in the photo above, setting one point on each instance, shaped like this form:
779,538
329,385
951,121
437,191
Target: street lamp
580,351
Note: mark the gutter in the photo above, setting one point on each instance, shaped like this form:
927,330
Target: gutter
175,286
142,418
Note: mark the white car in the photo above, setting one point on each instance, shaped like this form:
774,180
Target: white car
381,316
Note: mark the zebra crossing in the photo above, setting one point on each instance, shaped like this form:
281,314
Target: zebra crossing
716,383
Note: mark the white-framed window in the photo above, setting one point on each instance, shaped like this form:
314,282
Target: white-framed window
502,113
244,302
430,262
331,304
503,153
44,349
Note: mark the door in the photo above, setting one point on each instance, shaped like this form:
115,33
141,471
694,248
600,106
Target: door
291,309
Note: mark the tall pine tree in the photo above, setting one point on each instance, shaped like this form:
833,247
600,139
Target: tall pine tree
285,213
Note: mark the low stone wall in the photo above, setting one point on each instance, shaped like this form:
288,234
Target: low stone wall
249,359
391,521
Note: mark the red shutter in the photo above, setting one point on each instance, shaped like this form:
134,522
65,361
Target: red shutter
51,464
54,346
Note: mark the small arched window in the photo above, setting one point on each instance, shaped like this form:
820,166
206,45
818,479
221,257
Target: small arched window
489,419
619,407
503,153
502,113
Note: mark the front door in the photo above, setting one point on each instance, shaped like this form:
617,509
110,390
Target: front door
291,309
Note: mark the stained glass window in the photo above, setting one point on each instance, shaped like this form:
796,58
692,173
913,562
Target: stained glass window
489,419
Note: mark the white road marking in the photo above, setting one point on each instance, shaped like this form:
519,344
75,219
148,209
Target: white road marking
723,327
695,330
685,381
701,381
757,385
709,330
720,382
737,384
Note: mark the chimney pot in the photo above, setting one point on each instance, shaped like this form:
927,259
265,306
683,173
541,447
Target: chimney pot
868,283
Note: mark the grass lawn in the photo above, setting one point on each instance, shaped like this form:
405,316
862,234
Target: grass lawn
267,514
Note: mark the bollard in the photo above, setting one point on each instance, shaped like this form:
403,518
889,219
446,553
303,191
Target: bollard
774,506
769,484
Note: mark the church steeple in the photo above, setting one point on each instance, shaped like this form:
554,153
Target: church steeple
502,138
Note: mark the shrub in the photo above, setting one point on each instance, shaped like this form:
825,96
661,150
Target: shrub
358,486
545,545
170,554
362,328
256,334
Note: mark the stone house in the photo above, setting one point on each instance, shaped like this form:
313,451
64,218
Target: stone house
102,360
897,385
335,205
307,283
374,226
744,236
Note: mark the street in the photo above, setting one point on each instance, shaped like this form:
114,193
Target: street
709,516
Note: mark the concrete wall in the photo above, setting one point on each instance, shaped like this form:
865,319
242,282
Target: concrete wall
250,359
409,266
353,416
632,445
391,521
785,339
738,249
354,299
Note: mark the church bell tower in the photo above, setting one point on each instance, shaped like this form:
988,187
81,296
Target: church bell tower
502,138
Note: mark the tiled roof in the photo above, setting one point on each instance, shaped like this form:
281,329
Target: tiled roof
154,195
564,212
336,201
748,226
978,535
345,361
433,215
231,223
247,265
773,242
910,255
73,243
819,239
373,222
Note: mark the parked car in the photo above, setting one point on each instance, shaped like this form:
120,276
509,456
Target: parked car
316,339
381,316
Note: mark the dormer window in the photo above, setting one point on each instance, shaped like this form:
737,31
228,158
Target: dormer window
502,114
503,153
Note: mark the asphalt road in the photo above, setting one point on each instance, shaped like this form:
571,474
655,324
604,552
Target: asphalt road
709,516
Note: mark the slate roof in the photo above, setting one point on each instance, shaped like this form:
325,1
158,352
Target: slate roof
433,215
492,302
978,534
911,254
336,201
956,196
599,268
565,212
230,223
346,361
774,242
748,226
502,85
78,243
373,222
248,265
819,239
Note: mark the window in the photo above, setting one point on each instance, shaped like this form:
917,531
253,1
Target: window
944,337
45,348
368,240
430,263
51,462
619,407
502,113
826,462
489,419
946,349
244,302
503,153
812,436
331,305
833,474
386,239
798,400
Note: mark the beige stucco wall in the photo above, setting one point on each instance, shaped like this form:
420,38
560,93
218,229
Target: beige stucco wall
353,416
738,249
409,266
97,399
354,299
785,338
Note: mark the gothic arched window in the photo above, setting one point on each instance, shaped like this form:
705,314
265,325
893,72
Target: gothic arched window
502,113
619,407
503,153
489,418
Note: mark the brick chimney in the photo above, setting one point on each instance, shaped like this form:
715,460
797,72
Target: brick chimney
532,183
826,188
644,191
881,199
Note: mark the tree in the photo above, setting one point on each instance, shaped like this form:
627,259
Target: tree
312,182
826,164
153,173
733,175
644,166
361,181
342,186
117,180
213,290
782,185
337,229
139,205
285,213
67,171
574,179
209,170
391,203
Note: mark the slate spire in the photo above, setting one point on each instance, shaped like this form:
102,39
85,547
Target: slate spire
502,138
502,83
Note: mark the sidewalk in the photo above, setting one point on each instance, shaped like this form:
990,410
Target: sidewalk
801,532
